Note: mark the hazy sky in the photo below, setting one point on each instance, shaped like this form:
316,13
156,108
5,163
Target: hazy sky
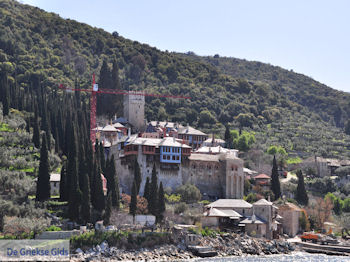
311,37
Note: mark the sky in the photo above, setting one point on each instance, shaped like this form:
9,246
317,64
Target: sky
311,37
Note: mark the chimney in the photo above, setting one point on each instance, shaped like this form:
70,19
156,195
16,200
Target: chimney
269,198
129,132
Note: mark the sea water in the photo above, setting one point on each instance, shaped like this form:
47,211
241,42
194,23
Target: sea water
294,257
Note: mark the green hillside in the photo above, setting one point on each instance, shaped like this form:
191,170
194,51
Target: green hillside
40,50
332,105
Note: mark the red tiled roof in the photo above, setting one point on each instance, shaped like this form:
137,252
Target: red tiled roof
262,176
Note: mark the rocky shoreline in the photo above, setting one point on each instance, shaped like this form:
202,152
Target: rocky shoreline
225,245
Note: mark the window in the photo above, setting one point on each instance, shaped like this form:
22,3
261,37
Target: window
164,157
194,166
177,158
173,157
168,157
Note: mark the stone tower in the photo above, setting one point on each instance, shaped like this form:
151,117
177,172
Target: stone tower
134,110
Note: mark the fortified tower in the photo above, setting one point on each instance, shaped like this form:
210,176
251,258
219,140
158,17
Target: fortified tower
134,110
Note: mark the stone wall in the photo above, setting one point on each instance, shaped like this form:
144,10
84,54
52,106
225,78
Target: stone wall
57,234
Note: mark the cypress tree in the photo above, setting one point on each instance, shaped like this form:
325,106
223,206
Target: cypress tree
74,197
161,203
43,182
137,176
67,134
347,127
5,98
85,206
301,194
108,210
133,202
147,190
28,124
99,201
81,162
102,158
45,125
63,188
2,222
337,206
153,193
60,131
114,183
228,137
115,76
116,101
36,131
104,83
275,182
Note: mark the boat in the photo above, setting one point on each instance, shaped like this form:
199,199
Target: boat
202,251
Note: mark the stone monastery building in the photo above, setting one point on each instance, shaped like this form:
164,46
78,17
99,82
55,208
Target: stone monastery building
181,154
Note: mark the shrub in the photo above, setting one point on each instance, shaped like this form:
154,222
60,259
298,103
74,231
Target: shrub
180,208
173,198
53,228
206,232
205,202
251,198
189,193
346,205
19,226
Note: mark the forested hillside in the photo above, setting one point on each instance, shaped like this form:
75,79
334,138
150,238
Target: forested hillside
330,104
39,50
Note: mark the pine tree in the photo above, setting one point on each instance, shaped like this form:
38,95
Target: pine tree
63,188
137,176
147,190
161,203
108,210
301,194
36,131
228,137
153,193
43,182
133,202
275,182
